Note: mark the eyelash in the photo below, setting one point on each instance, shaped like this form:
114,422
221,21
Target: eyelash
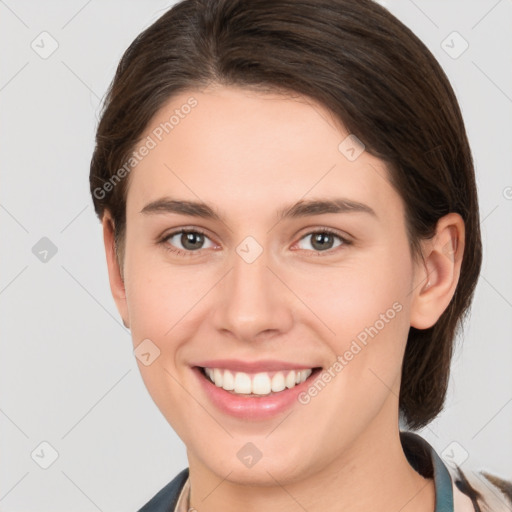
168,247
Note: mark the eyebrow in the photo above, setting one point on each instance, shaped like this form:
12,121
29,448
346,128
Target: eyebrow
302,208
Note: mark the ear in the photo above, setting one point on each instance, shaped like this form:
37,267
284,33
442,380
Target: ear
114,272
436,277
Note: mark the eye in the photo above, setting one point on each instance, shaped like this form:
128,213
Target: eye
323,240
186,241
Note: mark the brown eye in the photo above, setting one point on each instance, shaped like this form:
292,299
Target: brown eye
322,241
187,240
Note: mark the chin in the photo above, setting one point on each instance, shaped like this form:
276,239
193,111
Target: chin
242,463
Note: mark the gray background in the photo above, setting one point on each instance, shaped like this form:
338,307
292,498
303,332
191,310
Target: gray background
67,373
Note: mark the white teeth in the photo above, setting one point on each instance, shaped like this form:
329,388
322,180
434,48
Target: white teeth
218,377
278,382
261,384
229,381
257,384
290,380
242,383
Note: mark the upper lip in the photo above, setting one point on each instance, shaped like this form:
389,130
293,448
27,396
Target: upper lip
264,365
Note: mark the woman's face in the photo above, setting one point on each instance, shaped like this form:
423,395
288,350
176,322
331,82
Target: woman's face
256,291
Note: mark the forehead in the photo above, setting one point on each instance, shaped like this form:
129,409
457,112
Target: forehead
245,150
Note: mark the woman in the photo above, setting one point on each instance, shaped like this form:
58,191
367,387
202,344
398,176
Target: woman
292,234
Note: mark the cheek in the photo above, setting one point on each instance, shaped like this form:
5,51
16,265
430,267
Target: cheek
365,306
159,300
166,307
351,297
160,295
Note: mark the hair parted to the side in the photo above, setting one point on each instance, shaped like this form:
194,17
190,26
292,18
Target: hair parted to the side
375,76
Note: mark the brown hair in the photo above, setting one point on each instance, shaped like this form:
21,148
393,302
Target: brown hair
374,75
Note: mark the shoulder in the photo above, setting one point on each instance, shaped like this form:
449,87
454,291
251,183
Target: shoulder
487,492
165,500
472,490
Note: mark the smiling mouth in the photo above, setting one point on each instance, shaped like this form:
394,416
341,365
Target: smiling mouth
257,384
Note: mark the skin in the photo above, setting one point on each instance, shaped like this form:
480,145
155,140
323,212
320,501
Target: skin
250,154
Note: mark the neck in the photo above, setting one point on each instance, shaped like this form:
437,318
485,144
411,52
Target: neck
371,474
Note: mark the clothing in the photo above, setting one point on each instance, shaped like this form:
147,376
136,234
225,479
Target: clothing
456,491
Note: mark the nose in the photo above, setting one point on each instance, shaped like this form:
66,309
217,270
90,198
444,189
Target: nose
253,301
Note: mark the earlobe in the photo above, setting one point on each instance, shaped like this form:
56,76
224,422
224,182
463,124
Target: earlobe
117,286
436,277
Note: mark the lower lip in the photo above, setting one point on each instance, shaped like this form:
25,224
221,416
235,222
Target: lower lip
252,407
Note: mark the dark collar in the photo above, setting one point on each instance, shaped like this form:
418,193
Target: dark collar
165,500
424,459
